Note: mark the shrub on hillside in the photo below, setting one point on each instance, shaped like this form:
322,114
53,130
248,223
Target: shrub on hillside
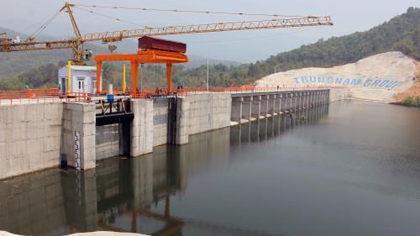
418,101
411,102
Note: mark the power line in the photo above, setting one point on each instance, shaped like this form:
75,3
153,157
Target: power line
43,26
110,17
27,27
189,11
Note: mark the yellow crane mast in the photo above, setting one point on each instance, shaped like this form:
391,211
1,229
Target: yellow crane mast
76,44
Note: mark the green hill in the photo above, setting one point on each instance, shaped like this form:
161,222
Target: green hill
401,33
14,63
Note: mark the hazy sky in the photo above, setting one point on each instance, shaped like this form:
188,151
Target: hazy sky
243,46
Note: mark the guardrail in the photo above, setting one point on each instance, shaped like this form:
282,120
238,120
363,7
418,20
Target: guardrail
40,95
50,95
251,89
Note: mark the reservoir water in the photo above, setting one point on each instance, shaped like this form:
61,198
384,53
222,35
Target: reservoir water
352,168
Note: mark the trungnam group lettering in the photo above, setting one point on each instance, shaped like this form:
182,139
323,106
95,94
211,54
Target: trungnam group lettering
373,83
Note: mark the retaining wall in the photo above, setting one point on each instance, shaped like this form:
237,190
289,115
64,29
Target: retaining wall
208,112
142,127
160,121
30,137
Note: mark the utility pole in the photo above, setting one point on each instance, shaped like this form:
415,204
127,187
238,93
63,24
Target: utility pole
207,75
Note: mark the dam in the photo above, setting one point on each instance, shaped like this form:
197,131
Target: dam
272,176
41,134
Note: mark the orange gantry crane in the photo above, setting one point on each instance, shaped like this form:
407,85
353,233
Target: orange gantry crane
76,43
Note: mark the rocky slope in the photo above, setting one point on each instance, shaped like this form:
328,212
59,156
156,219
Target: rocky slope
381,77
414,91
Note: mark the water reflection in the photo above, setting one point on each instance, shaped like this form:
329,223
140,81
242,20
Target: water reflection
116,196
126,195
265,129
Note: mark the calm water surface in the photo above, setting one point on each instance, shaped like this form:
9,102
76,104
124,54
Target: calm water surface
349,169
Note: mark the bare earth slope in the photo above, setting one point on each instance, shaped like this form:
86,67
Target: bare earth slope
414,91
378,78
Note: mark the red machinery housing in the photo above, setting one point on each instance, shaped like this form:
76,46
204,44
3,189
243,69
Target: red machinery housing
147,42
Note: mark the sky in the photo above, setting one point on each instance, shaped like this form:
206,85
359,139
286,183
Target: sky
26,16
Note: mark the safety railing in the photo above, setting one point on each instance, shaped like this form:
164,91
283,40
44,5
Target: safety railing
10,97
150,92
51,95
252,89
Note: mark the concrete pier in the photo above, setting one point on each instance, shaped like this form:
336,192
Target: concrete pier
237,109
142,127
256,107
262,105
78,132
247,108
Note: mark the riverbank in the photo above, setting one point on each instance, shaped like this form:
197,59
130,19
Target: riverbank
409,102
411,97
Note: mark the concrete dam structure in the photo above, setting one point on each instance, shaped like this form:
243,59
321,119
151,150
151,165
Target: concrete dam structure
43,135
72,201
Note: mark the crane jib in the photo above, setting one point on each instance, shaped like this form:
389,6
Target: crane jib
76,44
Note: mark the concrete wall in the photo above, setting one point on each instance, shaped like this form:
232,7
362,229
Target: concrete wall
34,135
108,141
81,118
160,121
142,127
30,136
208,112
182,121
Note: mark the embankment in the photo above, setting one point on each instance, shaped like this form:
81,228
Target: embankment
382,78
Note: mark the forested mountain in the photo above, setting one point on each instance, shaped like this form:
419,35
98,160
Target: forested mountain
401,33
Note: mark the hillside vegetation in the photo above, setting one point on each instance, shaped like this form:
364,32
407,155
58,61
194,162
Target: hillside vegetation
401,33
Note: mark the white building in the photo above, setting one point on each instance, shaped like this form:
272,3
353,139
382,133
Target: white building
83,79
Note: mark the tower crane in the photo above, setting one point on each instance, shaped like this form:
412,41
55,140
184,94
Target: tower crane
76,43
